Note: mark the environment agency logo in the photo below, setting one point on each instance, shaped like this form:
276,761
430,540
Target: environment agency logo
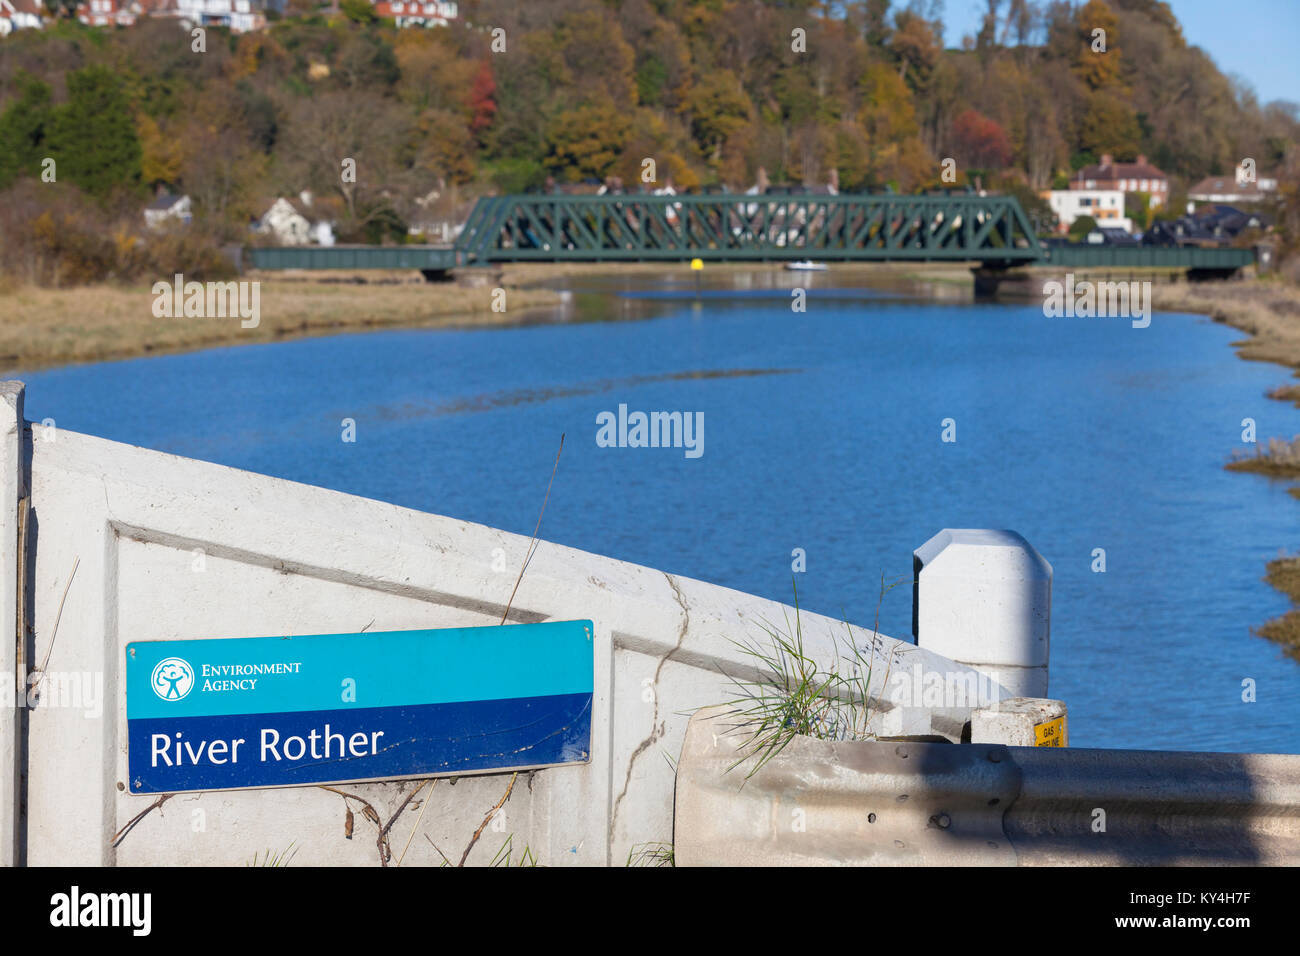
172,679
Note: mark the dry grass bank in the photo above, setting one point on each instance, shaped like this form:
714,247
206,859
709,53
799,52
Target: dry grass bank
1284,574
42,327
1269,313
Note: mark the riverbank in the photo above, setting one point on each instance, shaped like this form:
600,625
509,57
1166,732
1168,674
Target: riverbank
46,327
41,328
1269,313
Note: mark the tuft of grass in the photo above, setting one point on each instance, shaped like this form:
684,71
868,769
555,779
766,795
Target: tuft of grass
799,696
505,856
651,855
1279,459
275,859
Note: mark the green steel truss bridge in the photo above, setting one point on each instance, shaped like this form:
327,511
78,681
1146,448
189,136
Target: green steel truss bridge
990,231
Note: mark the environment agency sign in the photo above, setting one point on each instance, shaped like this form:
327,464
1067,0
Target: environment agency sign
335,708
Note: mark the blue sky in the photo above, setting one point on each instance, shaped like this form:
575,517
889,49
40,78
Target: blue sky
1256,39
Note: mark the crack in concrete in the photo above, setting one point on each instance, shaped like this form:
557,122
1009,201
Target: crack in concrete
656,727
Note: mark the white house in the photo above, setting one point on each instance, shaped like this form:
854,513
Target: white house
166,207
418,13
1232,189
19,15
108,13
288,221
240,16
1106,206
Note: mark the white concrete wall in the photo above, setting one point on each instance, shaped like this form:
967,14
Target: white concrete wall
12,500
284,558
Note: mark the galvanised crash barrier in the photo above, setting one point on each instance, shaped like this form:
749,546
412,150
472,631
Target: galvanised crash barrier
912,803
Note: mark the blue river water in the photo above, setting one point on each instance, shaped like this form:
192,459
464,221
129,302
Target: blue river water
822,431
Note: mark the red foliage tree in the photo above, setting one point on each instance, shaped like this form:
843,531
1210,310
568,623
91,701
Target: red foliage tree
980,142
482,101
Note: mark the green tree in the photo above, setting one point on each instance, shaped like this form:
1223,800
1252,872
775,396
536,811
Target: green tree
23,128
358,11
92,136
1080,228
1137,206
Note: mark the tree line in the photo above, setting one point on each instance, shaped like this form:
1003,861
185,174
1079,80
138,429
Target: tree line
513,97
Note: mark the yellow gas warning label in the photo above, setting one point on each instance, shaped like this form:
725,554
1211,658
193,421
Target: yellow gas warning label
1050,734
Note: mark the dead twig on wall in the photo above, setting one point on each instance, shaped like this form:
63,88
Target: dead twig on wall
57,618
532,545
423,806
120,835
488,819
370,813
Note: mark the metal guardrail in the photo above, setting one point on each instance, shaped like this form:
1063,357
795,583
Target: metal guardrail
431,258
1083,255
901,803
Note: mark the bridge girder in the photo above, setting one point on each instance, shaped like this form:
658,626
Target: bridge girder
741,227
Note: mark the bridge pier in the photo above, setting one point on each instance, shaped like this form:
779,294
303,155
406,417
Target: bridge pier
1210,275
989,278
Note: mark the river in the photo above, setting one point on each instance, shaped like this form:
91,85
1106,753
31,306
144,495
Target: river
822,431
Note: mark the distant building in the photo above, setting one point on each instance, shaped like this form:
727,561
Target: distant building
1213,225
1230,189
1138,177
1106,206
294,223
1108,236
108,13
239,16
166,207
418,13
20,15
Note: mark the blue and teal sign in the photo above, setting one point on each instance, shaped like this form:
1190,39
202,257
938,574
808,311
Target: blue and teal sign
332,708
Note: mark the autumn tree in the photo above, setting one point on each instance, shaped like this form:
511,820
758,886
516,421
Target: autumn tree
916,48
980,142
482,101
1097,55
718,107
374,136
588,140
1109,126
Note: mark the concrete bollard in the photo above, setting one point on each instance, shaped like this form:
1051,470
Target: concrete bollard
984,598
1022,722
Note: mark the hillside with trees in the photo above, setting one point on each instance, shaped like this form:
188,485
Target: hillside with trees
514,96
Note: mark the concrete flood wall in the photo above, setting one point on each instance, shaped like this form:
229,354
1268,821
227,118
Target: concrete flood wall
105,544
